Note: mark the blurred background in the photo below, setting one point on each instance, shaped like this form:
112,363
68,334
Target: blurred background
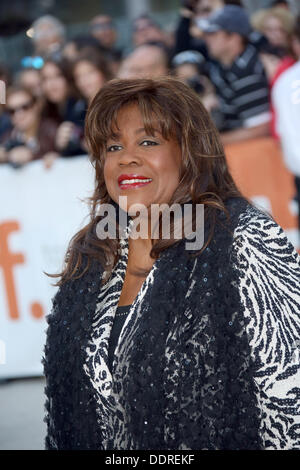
17,17
241,57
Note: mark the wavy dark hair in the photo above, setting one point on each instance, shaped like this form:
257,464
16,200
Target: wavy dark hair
96,58
176,110
53,110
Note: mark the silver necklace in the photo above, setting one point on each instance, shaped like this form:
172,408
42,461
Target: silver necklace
121,314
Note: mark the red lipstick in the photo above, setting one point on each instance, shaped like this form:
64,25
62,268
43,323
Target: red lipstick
133,181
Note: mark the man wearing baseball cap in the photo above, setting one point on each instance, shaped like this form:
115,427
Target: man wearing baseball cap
237,73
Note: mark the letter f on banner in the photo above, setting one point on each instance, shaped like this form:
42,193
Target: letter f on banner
7,262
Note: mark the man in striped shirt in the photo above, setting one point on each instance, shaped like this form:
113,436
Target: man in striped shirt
237,74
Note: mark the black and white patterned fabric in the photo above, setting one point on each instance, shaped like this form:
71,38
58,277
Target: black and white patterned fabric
208,356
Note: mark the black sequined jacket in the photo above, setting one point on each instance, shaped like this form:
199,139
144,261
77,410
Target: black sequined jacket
208,357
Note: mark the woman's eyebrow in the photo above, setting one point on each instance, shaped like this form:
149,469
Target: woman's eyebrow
114,136
142,129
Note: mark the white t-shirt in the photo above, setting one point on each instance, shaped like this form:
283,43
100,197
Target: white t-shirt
286,102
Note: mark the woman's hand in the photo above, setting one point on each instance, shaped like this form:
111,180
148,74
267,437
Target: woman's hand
20,155
64,134
49,158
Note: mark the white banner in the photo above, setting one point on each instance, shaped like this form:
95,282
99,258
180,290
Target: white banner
40,211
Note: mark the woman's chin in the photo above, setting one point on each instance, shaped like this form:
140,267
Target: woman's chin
133,208
137,209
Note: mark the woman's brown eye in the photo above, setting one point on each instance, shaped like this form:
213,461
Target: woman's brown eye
113,148
148,142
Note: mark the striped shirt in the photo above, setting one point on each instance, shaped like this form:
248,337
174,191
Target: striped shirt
242,90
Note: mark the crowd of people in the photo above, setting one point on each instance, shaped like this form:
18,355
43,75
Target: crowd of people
234,61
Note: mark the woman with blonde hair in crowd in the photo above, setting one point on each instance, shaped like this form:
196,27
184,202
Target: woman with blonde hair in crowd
276,24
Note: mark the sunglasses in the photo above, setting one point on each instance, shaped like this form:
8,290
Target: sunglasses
22,107
36,62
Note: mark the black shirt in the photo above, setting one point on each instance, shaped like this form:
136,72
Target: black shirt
119,320
242,89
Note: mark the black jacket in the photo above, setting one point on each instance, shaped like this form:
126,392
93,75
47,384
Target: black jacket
207,358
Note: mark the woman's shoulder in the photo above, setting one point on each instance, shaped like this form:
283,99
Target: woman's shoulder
256,224
244,212
268,281
256,233
249,220
78,292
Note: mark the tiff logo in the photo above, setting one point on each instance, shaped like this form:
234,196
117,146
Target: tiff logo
8,263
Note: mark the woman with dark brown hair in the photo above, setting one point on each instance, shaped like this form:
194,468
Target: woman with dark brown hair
32,135
161,339
64,104
90,71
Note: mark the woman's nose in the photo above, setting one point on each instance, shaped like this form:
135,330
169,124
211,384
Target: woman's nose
129,157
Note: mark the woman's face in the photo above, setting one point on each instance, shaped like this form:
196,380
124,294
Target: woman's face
70,51
89,80
31,79
275,32
54,84
133,156
23,110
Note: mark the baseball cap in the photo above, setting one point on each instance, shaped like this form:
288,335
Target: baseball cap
230,18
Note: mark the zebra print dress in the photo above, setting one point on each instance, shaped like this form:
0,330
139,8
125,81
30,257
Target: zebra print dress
206,359
269,290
